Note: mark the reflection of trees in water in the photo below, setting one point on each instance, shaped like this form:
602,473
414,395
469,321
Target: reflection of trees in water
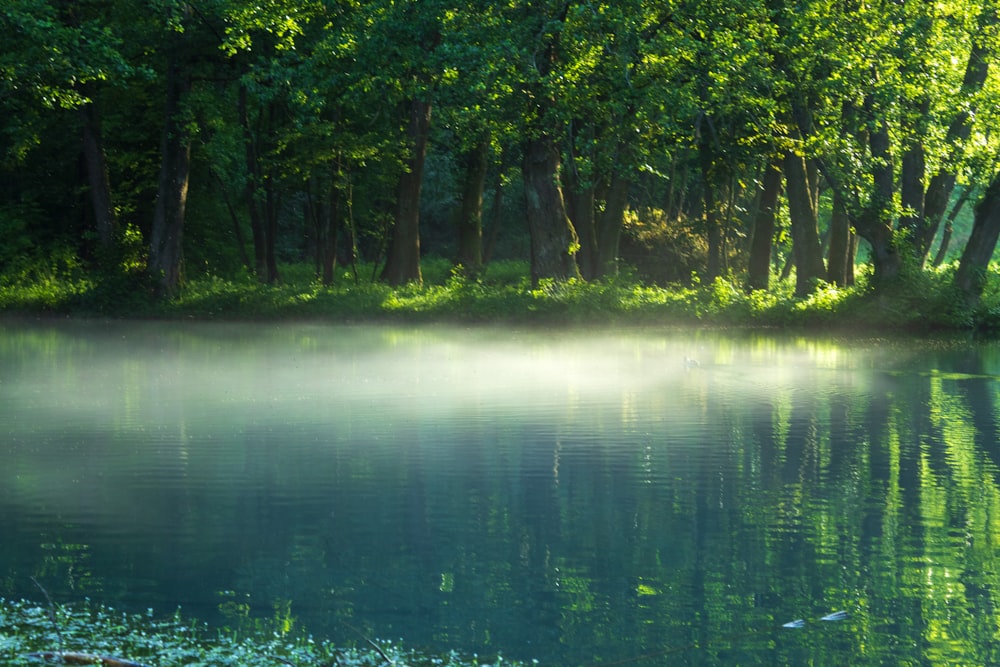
705,513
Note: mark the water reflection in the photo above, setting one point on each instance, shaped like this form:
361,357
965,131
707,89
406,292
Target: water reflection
573,497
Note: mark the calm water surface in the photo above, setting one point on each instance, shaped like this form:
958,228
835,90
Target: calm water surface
572,497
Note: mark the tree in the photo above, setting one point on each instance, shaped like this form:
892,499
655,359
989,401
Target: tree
971,275
57,58
874,83
403,263
166,250
759,263
554,242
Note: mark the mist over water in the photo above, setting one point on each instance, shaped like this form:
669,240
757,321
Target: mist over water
571,496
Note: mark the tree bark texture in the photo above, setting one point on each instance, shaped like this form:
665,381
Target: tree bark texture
971,275
911,192
949,226
875,222
271,234
759,264
710,211
609,232
97,176
257,229
470,217
581,208
166,237
840,265
403,262
331,215
553,239
806,247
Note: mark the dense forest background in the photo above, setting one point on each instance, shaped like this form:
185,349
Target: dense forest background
760,141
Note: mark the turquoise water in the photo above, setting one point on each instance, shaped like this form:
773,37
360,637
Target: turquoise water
575,497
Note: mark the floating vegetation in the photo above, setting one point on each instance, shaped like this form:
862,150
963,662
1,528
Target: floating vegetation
99,635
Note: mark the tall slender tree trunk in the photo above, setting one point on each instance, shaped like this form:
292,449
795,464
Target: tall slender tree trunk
971,275
874,223
330,215
470,215
581,206
840,265
97,176
582,194
710,209
257,229
949,226
271,235
553,239
403,262
496,215
166,237
759,265
610,223
806,246
911,190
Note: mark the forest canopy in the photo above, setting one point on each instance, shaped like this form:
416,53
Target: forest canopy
760,141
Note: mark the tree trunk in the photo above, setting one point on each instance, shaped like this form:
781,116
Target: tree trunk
166,237
949,226
331,215
470,216
403,262
759,265
496,215
257,229
97,176
911,193
581,194
806,247
235,220
710,213
271,234
840,266
875,222
612,219
553,239
581,207
971,275
943,182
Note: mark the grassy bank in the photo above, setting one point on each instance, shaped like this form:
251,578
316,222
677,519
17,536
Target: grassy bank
504,294
91,634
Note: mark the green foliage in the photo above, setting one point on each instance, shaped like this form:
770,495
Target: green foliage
665,249
922,301
144,638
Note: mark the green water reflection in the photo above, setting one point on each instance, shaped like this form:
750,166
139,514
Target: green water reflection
579,498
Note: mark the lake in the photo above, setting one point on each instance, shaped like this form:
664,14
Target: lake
573,497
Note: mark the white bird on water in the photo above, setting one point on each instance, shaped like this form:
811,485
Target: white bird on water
691,363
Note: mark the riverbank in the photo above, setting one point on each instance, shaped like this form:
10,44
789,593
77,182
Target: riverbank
924,303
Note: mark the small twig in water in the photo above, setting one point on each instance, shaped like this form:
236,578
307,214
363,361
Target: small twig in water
52,613
378,649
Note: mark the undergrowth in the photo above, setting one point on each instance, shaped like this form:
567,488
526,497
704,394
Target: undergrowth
921,301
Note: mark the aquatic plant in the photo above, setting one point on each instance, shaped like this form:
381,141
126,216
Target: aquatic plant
96,634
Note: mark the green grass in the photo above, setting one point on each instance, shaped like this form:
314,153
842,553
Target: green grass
27,629
504,294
